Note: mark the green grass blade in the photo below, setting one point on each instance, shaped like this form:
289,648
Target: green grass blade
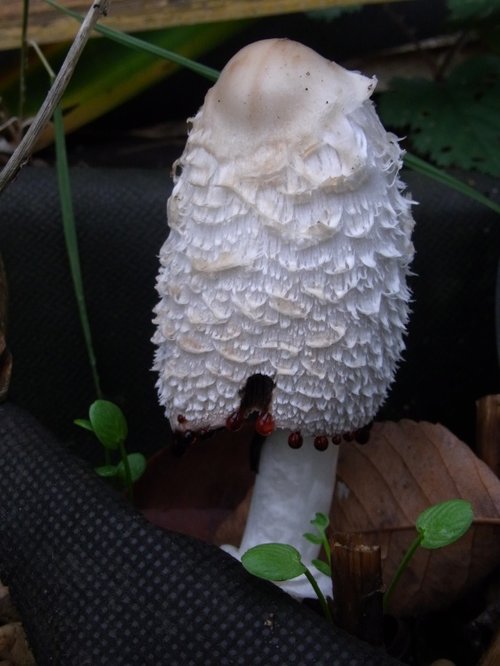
421,166
71,240
141,45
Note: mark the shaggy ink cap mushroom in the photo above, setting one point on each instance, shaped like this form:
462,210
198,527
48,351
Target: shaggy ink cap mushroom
289,248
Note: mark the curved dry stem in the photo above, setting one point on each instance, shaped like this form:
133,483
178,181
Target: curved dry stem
23,151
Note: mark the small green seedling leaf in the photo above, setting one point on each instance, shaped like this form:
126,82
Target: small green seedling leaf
107,471
108,423
322,566
280,562
84,423
320,521
313,538
444,523
440,525
137,464
273,561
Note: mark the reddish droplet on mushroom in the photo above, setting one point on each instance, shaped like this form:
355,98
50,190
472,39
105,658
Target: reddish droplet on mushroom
295,440
234,421
336,440
321,443
181,419
348,436
264,424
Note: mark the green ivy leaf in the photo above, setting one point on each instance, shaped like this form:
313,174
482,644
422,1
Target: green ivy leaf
322,566
444,523
108,423
273,561
454,122
107,471
332,13
467,10
137,464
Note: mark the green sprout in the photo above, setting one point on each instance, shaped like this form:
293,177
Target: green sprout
321,522
438,526
107,422
280,562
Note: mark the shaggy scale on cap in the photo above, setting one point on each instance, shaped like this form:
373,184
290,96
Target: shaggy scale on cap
289,247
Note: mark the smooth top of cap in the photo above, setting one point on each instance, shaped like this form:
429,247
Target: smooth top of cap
282,90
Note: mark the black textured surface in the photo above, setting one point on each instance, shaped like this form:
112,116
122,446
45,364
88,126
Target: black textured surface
450,360
121,224
96,584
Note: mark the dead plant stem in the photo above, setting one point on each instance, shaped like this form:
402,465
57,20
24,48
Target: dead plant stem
23,151
22,65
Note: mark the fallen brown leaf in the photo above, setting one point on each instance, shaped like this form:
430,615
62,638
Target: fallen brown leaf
13,645
383,486
7,611
381,489
196,493
230,530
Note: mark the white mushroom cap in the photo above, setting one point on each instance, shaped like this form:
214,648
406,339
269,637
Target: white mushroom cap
276,90
289,247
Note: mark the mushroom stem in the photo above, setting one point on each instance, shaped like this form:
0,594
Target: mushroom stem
291,487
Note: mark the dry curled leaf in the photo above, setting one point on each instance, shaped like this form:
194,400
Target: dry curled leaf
382,488
13,645
7,611
14,650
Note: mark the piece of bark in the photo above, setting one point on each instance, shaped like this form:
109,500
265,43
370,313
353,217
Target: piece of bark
357,587
488,431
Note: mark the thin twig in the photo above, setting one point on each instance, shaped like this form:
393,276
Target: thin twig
24,55
22,153
452,54
410,35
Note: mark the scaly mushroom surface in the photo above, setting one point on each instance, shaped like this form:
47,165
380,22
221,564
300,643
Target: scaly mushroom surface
285,273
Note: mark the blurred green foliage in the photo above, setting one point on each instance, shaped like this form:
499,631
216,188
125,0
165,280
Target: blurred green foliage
453,118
